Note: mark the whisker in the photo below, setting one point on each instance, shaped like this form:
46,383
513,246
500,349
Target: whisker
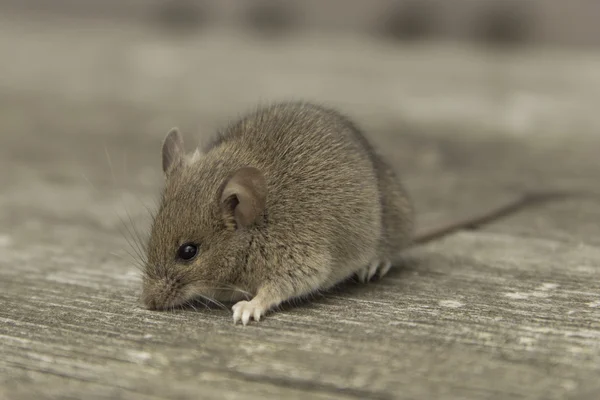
125,174
235,289
139,260
137,237
110,164
125,164
189,303
116,255
211,300
132,236
215,302
138,252
97,190
133,231
203,302
140,240
90,182
135,262
208,285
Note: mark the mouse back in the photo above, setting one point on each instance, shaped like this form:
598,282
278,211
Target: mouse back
286,183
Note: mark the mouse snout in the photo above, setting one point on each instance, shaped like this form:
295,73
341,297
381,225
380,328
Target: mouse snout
149,303
160,294
149,297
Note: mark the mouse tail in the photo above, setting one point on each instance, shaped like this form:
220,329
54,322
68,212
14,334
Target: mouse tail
476,221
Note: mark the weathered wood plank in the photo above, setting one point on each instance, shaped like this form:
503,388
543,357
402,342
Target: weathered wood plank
512,311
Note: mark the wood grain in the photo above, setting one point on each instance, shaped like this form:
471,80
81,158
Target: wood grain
509,311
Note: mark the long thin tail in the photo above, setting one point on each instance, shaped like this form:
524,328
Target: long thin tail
527,200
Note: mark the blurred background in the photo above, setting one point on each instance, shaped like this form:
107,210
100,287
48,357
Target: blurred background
519,21
473,101
448,88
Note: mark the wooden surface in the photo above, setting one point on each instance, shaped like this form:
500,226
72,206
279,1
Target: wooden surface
511,311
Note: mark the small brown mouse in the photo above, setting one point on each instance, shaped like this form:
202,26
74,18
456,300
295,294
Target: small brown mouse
289,200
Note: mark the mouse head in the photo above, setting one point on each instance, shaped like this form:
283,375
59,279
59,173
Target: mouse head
202,232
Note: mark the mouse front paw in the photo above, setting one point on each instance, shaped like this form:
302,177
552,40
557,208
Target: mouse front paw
379,267
243,310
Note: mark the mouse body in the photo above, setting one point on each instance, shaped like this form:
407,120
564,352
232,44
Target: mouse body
289,200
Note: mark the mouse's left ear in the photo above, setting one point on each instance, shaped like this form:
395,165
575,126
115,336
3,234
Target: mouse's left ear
172,151
244,198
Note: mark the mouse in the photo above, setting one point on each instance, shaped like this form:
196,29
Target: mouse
286,201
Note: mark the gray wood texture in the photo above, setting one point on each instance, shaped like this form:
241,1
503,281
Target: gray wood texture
509,311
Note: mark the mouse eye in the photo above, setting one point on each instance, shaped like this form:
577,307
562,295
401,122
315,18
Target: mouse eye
187,251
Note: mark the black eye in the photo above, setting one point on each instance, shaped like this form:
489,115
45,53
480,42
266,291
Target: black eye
187,251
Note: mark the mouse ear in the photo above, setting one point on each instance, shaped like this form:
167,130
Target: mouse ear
243,197
172,151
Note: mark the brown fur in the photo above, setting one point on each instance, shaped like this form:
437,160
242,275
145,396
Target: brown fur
330,206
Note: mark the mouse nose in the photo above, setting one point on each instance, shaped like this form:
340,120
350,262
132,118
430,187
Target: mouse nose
150,303
148,298
158,294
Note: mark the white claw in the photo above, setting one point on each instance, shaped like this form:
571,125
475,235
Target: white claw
237,311
376,267
243,310
362,275
372,269
384,268
257,313
246,317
